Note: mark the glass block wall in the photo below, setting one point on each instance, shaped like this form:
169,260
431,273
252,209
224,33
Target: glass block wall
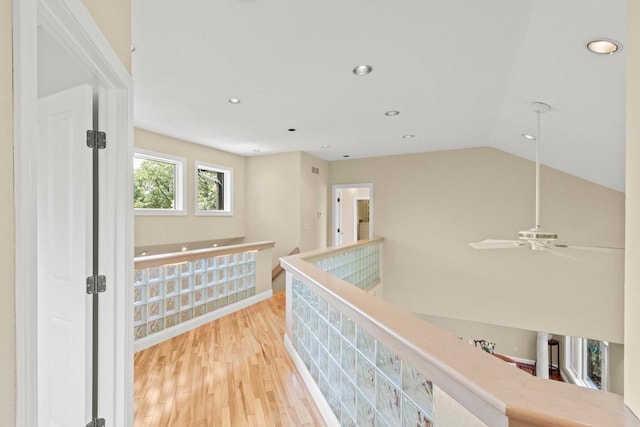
364,382
171,294
359,266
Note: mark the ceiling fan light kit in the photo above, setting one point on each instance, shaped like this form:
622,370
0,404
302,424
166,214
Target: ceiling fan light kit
536,238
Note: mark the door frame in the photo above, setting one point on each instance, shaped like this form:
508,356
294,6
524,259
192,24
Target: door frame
337,189
73,26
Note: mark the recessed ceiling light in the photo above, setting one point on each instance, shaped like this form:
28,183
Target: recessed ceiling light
408,136
215,245
392,113
603,46
234,100
184,248
256,150
362,70
143,253
326,146
529,137
291,130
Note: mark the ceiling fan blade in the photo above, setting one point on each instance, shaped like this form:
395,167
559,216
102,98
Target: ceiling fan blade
588,248
559,253
496,244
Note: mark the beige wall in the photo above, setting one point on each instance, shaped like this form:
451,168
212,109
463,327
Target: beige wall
313,203
509,341
274,202
7,233
429,206
616,368
161,229
287,203
114,19
632,274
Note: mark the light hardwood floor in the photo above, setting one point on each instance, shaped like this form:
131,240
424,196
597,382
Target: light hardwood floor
234,371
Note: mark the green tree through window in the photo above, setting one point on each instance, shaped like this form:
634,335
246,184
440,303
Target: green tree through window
154,185
210,190
214,192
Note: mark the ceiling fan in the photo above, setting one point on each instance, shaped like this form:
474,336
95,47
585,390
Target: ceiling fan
536,238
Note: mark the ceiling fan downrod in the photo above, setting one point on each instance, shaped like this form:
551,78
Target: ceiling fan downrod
538,108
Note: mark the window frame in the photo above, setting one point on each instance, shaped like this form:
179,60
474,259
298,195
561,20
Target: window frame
227,188
576,363
180,182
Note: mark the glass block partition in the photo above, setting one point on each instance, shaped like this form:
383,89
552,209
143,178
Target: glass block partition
167,295
364,382
359,265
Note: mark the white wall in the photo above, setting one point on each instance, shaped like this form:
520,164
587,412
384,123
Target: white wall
429,206
632,274
151,230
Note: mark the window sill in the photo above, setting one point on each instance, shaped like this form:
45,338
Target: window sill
158,212
214,213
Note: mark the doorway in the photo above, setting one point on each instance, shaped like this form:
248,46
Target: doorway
352,213
67,81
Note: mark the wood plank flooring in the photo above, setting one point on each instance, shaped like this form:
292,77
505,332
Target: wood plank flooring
234,371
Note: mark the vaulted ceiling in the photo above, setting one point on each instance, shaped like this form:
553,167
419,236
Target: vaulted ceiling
462,73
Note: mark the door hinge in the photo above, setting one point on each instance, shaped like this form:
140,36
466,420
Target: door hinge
338,230
96,422
96,284
96,139
338,199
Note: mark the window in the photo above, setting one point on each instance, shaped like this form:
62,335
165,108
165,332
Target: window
158,183
587,362
213,189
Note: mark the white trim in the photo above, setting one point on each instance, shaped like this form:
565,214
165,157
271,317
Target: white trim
334,189
181,328
337,216
228,189
180,191
25,77
73,26
522,360
317,396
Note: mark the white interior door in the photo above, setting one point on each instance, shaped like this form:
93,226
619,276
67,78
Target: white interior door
63,257
345,213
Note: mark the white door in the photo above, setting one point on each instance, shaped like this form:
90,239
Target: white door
345,212
64,243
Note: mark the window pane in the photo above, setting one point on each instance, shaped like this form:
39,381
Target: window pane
210,190
594,362
153,184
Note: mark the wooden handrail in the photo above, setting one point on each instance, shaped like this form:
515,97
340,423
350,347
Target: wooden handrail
311,256
481,382
278,268
186,256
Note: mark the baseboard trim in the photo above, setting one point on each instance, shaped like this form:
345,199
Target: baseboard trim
322,404
522,360
181,328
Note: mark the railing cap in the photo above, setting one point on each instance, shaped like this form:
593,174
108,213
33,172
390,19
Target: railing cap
186,256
